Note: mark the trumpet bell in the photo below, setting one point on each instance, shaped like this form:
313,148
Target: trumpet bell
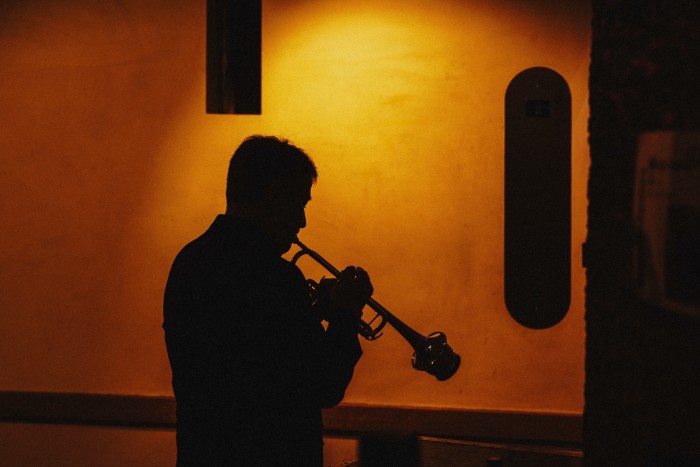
436,357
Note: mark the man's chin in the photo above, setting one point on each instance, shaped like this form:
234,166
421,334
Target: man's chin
284,242
284,246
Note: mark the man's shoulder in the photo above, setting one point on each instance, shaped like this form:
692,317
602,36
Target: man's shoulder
194,248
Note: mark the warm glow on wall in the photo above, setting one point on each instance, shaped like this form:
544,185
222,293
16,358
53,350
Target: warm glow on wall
402,106
115,165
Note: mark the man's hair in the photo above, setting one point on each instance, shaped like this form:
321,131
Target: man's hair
261,161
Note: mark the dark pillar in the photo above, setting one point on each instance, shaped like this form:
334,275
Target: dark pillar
642,362
234,43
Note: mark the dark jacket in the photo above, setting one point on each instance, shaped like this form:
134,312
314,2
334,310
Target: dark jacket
252,367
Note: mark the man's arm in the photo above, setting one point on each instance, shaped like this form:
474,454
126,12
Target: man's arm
346,299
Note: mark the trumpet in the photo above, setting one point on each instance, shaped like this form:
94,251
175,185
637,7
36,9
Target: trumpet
431,353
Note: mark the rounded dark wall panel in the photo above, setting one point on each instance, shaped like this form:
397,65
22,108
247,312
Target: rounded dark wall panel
537,243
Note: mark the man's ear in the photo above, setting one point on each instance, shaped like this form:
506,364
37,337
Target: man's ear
281,191
275,193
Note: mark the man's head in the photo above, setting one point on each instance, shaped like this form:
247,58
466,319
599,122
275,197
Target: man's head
269,184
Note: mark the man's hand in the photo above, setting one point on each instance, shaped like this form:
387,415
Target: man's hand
351,292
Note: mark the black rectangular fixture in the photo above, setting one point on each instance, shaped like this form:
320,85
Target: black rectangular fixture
234,50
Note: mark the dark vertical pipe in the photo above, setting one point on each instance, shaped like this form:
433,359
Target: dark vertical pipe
234,49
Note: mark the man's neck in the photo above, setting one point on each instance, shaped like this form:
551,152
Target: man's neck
254,216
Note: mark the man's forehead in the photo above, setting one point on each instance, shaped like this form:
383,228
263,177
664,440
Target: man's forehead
305,193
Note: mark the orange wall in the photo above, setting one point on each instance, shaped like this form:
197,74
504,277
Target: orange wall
110,165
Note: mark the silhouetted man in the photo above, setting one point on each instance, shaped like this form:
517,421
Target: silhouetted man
252,365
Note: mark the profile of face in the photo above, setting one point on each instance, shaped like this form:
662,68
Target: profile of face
282,212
